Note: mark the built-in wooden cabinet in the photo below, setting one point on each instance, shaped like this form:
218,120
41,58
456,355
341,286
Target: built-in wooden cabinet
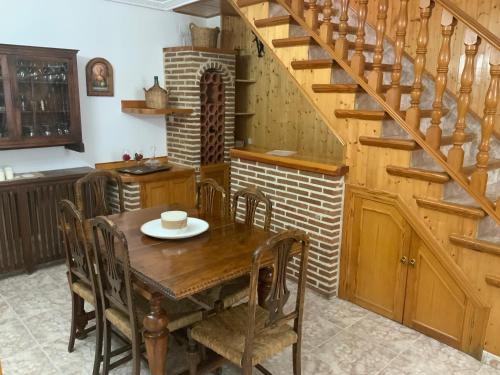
391,267
39,100
177,190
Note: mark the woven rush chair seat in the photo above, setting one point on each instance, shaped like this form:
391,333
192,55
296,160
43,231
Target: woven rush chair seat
181,314
225,334
83,291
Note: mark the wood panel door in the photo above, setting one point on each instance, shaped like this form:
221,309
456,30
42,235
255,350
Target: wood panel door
435,304
177,191
378,254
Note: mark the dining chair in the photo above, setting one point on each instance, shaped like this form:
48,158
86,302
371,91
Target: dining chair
234,291
92,193
124,309
211,198
81,278
251,333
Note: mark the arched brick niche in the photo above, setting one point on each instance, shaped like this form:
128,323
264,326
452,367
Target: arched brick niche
186,70
212,110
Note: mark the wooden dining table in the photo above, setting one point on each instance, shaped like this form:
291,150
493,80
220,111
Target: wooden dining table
178,269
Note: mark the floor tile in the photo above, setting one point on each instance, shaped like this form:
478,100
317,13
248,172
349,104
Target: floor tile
386,332
49,326
488,370
29,362
6,311
79,362
316,331
350,354
14,338
338,312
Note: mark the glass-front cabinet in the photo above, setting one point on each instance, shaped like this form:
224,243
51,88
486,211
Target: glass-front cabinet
39,101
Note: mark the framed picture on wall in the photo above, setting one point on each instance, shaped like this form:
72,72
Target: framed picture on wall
99,74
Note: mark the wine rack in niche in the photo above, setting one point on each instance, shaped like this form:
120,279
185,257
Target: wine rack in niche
212,100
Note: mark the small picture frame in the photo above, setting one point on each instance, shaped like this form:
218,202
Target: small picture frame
99,75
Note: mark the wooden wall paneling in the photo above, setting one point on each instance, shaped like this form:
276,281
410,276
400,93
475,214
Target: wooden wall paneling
11,258
282,118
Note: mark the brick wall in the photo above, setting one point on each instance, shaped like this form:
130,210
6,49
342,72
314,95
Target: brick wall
305,200
131,197
183,71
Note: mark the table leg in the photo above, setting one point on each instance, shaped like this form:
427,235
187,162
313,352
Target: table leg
265,283
156,336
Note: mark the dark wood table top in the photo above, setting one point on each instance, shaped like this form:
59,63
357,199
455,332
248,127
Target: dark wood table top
180,268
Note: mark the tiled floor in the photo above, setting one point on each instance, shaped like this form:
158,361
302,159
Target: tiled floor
339,338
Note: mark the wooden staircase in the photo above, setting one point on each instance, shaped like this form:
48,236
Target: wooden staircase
440,157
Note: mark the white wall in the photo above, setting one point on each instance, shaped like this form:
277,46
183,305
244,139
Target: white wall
131,38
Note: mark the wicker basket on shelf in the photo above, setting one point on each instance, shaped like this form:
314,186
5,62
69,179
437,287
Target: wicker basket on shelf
204,36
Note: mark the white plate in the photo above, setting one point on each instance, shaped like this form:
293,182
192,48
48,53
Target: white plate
194,227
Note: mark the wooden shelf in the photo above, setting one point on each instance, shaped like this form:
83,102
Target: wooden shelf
241,80
244,114
138,107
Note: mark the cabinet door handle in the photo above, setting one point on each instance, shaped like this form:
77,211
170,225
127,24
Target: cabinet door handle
413,262
403,259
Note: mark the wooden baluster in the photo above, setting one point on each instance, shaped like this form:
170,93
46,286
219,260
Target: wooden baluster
456,153
393,96
413,113
298,7
498,206
376,75
479,178
326,28
342,44
311,15
433,134
358,58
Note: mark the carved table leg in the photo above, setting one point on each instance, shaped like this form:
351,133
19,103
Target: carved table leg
265,282
156,336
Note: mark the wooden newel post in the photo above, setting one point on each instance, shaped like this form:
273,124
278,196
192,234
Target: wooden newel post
342,44
376,75
433,134
358,58
311,15
413,113
456,153
393,96
326,28
479,178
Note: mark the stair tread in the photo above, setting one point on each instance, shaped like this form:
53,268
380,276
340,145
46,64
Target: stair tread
404,143
327,63
274,21
293,41
365,114
331,87
492,164
451,207
418,173
475,244
308,40
246,3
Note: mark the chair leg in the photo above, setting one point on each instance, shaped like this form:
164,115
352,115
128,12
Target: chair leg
247,369
193,356
136,357
297,363
98,344
74,317
107,347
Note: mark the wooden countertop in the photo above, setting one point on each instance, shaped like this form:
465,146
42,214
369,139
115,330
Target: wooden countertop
175,171
47,176
296,161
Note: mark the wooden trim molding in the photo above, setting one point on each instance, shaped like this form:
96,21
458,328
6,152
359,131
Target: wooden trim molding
200,49
492,280
451,208
299,162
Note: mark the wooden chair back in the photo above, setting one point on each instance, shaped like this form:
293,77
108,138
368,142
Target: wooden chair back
211,198
113,268
253,197
92,193
78,256
280,247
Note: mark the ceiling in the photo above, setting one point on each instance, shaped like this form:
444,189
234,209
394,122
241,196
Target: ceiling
199,8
